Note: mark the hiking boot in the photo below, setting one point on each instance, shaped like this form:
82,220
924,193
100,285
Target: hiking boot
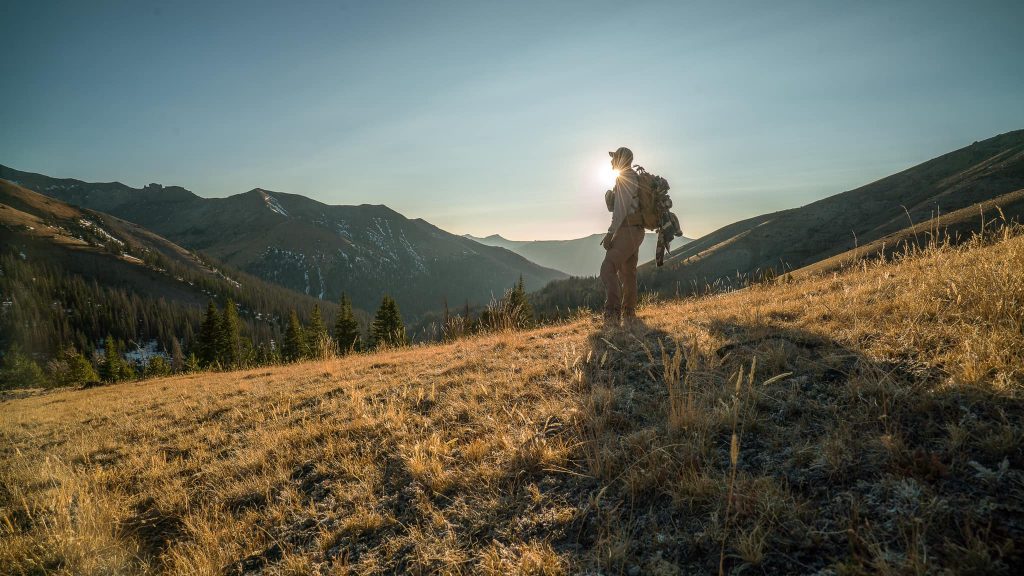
611,319
631,322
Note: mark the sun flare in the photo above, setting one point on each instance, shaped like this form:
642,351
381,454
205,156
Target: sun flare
608,175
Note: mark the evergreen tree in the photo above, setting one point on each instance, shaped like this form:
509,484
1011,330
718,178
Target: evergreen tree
229,349
71,368
20,371
177,356
80,371
292,349
192,363
209,337
157,367
518,307
346,329
110,369
123,369
128,372
388,328
261,355
274,353
247,353
318,343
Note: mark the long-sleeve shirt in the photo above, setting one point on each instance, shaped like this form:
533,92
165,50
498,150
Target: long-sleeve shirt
626,199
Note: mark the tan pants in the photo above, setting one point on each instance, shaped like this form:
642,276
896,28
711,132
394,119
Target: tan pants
618,272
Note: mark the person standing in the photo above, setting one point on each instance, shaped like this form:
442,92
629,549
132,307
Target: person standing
622,242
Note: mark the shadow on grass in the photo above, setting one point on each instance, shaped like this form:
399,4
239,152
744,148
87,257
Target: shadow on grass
844,462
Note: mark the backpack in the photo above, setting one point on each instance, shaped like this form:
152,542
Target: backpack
652,191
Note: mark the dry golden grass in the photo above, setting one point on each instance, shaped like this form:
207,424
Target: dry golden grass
858,423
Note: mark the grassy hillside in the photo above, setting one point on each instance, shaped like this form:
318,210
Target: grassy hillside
865,422
952,228
791,239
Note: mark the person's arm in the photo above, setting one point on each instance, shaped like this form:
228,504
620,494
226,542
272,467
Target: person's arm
621,209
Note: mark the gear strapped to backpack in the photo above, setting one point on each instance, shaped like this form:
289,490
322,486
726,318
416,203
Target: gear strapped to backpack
652,191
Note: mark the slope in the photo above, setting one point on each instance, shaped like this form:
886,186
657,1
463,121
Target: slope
113,277
311,247
794,238
577,257
952,228
860,423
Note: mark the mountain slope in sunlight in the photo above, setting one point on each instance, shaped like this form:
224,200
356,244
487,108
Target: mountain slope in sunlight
863,422
791,239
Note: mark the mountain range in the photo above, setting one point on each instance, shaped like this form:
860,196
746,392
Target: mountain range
72,276
297,250
577,257
313,248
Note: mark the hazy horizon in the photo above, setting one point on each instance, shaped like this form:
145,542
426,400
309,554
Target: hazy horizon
495,119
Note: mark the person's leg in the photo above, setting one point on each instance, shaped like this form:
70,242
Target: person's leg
611,269
613,295
627,273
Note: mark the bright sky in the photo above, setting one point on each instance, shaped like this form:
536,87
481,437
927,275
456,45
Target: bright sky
495,117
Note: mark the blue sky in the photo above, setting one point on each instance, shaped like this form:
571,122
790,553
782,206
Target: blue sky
495,117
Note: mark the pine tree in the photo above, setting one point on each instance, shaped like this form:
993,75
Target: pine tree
20,371
209,337
346,329
292,349
261,355
109,370
247,353
80,370
318,343
177,356
72,369
192,363
125,370
274,353
157,367
388,328
518,306
115,368
229,350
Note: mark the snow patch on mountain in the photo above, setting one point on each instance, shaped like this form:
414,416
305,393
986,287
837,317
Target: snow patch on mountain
273,204
144,353
343,229
95,228
417,260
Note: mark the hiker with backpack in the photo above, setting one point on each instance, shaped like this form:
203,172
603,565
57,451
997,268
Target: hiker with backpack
638,201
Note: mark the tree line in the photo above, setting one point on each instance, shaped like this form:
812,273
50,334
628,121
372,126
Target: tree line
218,344
220,339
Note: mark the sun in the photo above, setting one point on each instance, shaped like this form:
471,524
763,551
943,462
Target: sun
608,175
